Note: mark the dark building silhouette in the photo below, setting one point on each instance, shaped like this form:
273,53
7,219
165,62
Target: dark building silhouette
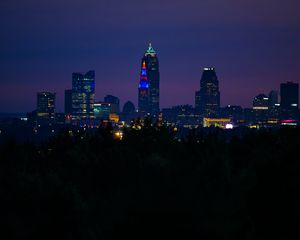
273,99
208,98
289,97
128,112
83,96
68,101
197,101
115,103
274,106
45,110
148,91
182,116
128,108
235,113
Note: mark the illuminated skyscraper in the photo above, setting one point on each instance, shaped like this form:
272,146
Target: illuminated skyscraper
144,90
149,83
83,96
208,98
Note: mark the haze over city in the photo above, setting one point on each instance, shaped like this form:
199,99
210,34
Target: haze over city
254,46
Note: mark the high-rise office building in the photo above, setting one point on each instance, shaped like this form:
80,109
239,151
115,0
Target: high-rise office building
148,92
68,101
289,95
45,107
143,104
289,99
115,103
83,96
209,96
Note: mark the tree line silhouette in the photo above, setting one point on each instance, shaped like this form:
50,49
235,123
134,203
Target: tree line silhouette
152,184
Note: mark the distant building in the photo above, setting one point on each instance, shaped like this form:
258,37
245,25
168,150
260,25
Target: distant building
235,113
102,110
83,96
128,108
208,99
260,109
128,112
182,116
273,99
45,111
274,107
289,99
261,102
115,103
217,122
148,91
68,101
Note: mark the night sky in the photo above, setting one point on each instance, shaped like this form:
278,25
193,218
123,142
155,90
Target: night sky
253,44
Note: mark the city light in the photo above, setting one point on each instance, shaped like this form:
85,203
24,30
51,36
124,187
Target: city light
119,135
229,126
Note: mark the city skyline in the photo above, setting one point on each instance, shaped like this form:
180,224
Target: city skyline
253,46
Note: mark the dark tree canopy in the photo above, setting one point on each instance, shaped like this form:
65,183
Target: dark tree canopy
150,185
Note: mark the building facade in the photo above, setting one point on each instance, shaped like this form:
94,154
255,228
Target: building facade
289,100
115,103
102,110
289,96
45,111
83,96
148,91
260,102
208,98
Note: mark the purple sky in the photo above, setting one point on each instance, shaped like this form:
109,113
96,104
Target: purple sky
253,44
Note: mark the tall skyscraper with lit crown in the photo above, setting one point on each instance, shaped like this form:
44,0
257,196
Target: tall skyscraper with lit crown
148,91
